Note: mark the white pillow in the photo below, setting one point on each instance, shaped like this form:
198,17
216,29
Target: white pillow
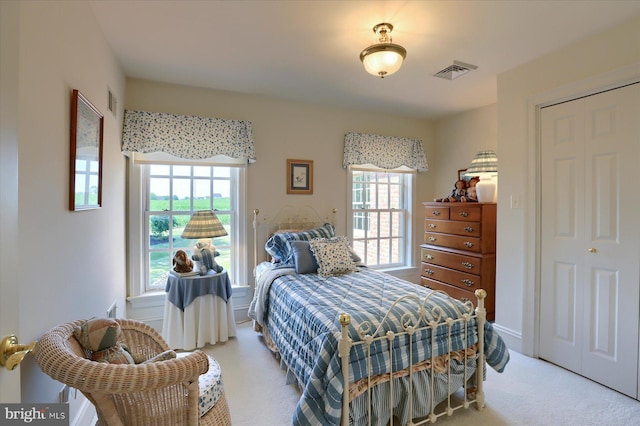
333,256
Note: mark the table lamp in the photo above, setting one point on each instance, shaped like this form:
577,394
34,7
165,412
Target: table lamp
485,166
204,225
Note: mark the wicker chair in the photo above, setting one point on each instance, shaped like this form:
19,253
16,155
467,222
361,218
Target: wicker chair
158,393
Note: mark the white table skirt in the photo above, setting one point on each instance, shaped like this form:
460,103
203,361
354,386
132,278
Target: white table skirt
208,319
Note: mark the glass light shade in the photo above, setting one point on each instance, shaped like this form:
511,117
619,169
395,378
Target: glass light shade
383,59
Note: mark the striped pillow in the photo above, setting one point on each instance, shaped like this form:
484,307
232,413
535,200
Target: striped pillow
280,250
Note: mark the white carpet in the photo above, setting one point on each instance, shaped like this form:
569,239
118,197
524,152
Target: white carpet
530,392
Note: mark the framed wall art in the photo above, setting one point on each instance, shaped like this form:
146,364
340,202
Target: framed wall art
85,180
299,176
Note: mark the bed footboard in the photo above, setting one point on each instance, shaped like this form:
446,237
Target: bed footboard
471,395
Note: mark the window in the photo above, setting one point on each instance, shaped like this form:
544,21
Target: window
379,216
169,194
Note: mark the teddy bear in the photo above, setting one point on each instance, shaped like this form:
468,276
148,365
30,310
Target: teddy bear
181,262
205,253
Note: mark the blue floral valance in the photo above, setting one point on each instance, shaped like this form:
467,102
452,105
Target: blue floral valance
187,137
385,152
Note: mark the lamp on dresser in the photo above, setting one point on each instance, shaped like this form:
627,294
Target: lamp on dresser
485,166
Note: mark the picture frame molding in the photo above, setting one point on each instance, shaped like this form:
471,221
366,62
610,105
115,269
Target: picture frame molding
87,137
299,176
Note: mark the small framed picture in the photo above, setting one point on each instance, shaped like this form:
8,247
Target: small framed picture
85,180
299,176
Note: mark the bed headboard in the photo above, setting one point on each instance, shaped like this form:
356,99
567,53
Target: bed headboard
287,218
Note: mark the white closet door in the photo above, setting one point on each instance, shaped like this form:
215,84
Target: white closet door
590,237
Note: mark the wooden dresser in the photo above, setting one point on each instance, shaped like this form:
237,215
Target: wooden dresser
459,250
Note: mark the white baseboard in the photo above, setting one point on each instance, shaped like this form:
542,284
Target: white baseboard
512,338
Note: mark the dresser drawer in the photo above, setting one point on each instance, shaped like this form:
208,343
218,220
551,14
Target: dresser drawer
456,293
469,212
453,227
463,295
453,241
451,276
436,212
460,262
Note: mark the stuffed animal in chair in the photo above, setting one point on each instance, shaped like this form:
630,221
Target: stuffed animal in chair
205,253
100,337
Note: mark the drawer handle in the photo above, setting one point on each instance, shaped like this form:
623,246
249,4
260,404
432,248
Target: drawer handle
436,213
467,282
432,226
467,265
469,229
432,239
464,214
429,257
428,271
468,244
429,287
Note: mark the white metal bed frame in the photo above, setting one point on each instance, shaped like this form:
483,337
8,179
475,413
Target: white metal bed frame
291,219
367,339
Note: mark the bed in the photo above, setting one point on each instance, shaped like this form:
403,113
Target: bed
364,347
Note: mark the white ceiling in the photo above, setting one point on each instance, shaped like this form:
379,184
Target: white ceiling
308,51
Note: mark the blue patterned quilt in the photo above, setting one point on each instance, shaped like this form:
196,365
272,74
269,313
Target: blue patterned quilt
302,313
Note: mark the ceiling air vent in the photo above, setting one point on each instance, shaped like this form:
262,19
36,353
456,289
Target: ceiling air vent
458,69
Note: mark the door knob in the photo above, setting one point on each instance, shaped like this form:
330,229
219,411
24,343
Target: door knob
592,250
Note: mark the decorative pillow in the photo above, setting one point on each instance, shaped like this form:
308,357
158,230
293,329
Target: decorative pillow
304,259
279,248
333,256
113,355
100,336
164,356
98,333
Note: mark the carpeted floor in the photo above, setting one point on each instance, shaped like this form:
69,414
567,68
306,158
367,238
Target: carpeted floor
529,392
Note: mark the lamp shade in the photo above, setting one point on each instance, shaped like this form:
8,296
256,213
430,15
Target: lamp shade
485,162
485,166
204,224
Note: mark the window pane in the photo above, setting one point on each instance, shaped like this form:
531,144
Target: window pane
201,191
159,266
396,247
222,195
159,230
182,170
202,171
395,197
155,169
158,194
372,252
222,172
384,251
397,224
385,224
182,194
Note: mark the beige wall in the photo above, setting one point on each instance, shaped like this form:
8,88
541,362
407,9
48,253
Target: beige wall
284,129
70,264
599,62
458,139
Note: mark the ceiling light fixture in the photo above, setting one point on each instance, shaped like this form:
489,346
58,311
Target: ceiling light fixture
383,58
